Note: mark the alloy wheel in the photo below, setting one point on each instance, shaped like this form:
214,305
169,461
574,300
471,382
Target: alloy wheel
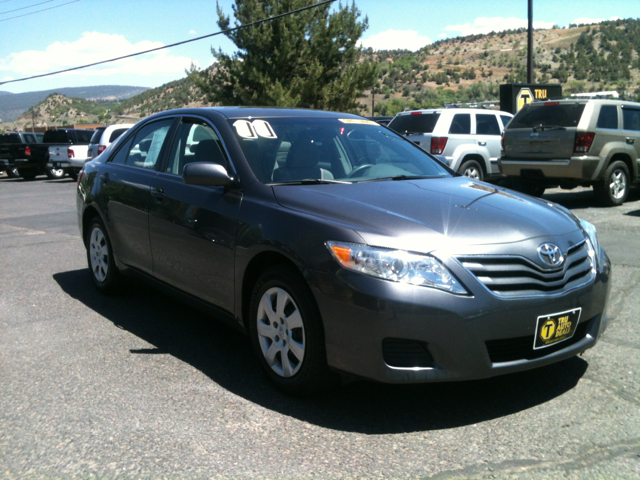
281,332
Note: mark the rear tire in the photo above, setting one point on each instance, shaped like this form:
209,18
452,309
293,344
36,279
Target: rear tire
614,187
472,169
13,173
287,334
524,186
54,173
102,266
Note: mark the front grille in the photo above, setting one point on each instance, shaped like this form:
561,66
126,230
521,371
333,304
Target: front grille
512,276
403,353
521,348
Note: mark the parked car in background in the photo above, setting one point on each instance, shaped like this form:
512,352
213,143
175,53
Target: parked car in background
469,138
104,136
339,246
31,159
381,120
71,157
12,145
575,142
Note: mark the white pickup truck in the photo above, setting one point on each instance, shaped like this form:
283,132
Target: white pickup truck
70,158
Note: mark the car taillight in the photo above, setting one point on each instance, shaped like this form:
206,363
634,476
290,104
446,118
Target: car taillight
70,153
583,142
101,148
80,175
502,141
438,144
27,150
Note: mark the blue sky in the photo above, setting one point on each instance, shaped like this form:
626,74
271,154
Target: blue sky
77,32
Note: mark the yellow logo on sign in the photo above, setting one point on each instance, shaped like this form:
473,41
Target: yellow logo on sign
524,96
548,329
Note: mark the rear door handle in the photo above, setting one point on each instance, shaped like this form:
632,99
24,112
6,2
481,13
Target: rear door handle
630,140
159,194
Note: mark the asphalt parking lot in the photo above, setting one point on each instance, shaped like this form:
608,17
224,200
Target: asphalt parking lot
140,386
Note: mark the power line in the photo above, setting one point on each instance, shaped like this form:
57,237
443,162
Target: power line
24,8
38,11
252,24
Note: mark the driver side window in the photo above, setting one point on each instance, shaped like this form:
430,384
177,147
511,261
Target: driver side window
196,142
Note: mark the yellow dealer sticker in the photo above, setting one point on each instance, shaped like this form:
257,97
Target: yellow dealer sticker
555,328
363,121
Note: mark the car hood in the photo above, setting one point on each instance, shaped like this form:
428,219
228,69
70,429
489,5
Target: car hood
430,214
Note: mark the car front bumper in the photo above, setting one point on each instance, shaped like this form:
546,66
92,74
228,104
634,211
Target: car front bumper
376,328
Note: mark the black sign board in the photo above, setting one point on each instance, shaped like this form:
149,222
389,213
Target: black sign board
513,96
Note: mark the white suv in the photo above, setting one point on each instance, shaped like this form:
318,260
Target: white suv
469,138
104,136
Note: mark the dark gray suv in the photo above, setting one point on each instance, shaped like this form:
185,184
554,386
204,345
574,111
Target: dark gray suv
340,246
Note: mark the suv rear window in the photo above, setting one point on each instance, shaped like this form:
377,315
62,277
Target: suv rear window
414,123
559,115
95,138
116,133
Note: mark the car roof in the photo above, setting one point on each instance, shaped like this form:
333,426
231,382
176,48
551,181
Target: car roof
260,112
454,110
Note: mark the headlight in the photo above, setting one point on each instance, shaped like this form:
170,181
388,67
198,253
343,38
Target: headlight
395,265
592,234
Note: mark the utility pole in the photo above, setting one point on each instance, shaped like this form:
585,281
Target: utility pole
530,45
373,94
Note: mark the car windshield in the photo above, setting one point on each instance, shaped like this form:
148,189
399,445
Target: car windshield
326,150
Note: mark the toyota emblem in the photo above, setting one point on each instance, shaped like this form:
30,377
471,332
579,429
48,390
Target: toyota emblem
551,254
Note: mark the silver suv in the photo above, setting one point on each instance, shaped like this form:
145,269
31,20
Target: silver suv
570,143
469,138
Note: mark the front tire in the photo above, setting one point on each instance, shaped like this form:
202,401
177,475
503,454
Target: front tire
471,169
102,267
286,332
614,188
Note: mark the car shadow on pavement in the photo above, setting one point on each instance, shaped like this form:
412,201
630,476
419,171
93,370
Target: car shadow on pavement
582,198
225,356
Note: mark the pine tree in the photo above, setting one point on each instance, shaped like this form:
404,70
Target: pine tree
309,59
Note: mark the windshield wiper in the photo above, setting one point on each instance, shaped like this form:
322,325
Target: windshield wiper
396,178
537,128
310,181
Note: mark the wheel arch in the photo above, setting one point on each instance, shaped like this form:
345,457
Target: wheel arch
478,158
626,159
90,212
258,264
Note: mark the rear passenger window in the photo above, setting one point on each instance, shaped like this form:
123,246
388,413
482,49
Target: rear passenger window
608,117
487,124
461,124
121,156
148,144
631,118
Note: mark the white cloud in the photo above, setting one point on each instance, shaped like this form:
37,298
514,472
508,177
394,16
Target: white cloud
192,32
494,24
396,40
93,47
591,21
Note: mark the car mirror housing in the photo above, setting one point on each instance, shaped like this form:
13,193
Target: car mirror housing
206,174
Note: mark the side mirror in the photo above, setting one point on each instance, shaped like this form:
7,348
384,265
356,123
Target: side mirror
206,174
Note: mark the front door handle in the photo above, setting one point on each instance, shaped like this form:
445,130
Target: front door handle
482,144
